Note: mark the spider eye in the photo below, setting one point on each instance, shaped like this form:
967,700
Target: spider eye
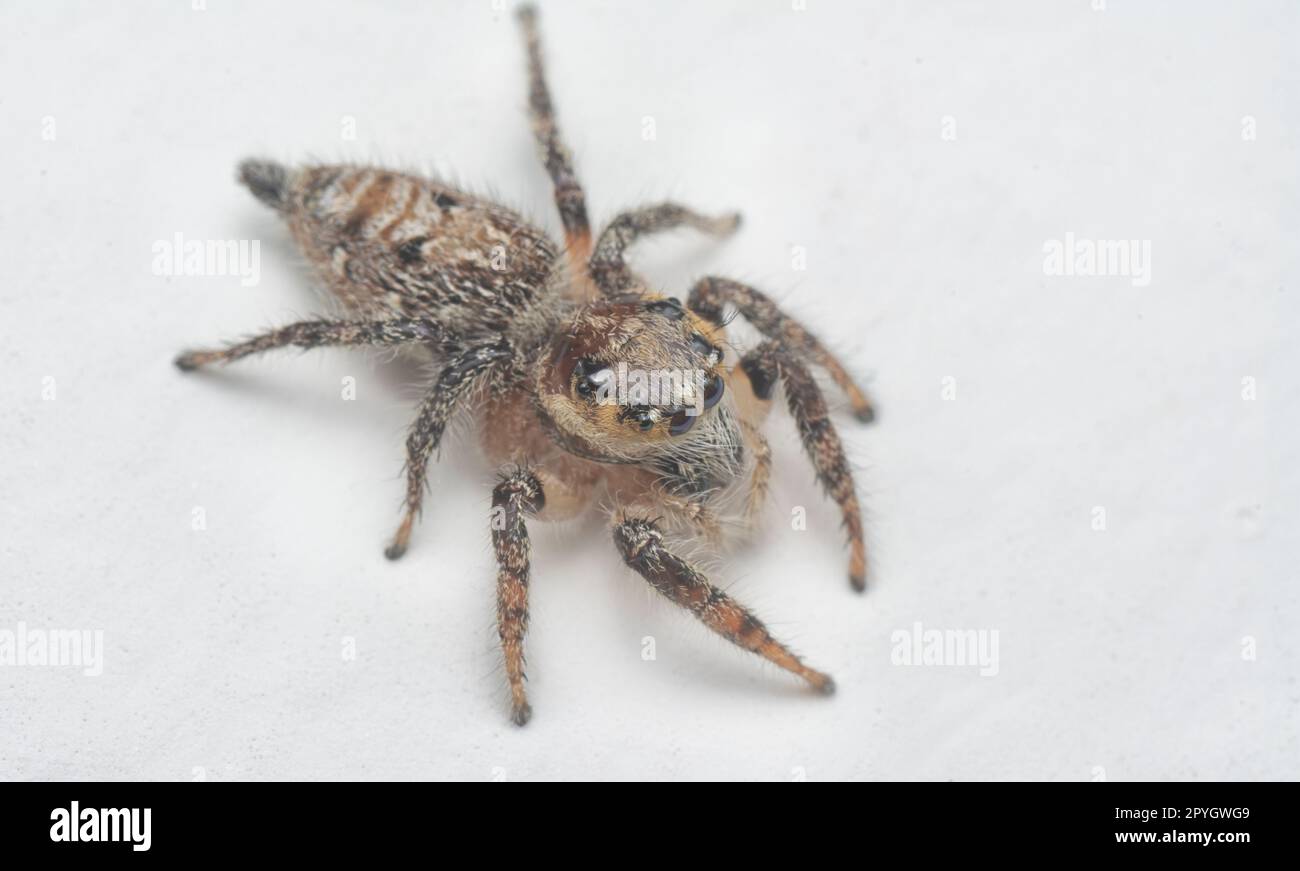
703,348
713,390
681,422
670,308
642,415
591,376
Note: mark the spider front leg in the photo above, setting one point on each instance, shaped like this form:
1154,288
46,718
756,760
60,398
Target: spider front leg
710,295
607,266
460,373
767,364
569,197
641,544
318,334
519,494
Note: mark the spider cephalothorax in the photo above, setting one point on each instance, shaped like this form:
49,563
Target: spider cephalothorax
588,389
634,378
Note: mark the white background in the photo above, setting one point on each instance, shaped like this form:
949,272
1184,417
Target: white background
1121,651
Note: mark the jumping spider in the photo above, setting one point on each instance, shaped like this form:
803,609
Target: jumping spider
527,334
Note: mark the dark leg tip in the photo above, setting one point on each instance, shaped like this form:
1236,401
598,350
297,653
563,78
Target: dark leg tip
186,363
858,582
395,551
866,415
522,714
828,687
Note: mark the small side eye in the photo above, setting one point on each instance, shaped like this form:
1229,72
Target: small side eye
670,308
713,390
591,376
681,422
703,348
642,415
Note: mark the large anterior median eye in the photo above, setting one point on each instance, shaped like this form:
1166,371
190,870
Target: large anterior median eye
591,376
681,422
713,390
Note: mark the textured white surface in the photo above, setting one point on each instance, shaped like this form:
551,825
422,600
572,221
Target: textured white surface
1119,649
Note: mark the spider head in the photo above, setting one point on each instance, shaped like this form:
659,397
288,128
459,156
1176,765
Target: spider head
630,379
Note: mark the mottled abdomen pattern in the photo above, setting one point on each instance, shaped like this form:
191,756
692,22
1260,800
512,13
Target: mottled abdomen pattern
386,244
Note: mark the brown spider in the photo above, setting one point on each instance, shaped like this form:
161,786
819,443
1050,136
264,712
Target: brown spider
536,343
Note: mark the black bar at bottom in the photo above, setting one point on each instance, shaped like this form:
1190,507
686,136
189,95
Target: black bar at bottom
243,820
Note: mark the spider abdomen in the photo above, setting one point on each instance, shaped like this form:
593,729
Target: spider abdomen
386,243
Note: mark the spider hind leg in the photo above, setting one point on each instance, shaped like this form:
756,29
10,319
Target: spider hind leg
319,334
